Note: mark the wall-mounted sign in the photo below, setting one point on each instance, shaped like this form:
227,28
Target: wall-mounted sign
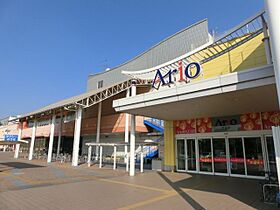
10,137
191,71
222,124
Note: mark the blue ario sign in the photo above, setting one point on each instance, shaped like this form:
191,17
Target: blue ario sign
191,71
10,137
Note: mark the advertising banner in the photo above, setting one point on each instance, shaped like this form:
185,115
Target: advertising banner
185,126
251,121
204,125
244,122
270,119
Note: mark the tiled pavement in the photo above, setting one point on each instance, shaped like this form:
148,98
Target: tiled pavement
36,185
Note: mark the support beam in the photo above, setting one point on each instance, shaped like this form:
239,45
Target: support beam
89,156
77,133
19,139
59,135
272,8
126,131
98,128
32,142
132,135
115,158
49,160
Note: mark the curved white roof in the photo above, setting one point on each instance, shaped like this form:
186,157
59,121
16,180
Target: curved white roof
214,48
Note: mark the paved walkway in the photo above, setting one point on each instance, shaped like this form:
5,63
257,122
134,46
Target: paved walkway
36,185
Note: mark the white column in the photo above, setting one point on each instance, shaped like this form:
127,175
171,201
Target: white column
126,131
77,133
59,135
141,160
127,163
276,140
115,158
272,9
89,156
132,136
100,158
51,140
32,142
98,128
19,139
4,148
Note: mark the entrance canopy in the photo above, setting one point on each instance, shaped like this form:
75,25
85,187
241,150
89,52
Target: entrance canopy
246,91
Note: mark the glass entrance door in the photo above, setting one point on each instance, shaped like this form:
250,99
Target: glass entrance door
254,156
236,154
191,155
220,155
181,157
205,155
271,155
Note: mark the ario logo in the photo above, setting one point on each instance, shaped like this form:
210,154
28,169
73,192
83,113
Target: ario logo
191,71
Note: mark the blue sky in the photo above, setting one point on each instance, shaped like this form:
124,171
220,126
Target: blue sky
48,48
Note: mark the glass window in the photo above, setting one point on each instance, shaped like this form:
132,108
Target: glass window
236,156
181,154
191,154
254,156
205,155
100,84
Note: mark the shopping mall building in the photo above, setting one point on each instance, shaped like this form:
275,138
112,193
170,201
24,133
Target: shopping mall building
218,97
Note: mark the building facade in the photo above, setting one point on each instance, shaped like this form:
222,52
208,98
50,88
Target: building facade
223,104
217,96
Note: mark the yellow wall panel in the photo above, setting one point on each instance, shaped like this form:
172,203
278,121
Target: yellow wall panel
169,144
248,55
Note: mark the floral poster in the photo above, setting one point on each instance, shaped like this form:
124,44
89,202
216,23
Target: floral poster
251,121
185,126
270,119
204,125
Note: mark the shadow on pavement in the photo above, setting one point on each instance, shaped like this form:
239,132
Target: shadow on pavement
17,165
184,195
247,191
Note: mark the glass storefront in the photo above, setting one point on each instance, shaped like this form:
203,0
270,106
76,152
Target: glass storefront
232,156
